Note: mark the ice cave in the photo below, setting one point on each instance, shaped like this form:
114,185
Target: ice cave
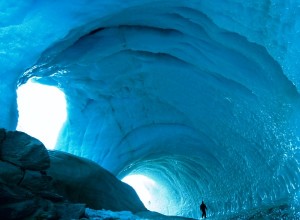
200,98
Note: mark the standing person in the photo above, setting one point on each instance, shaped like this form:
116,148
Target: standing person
203,209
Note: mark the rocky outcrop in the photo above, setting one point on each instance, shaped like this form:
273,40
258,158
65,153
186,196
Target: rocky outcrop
26,191
81,180
23,150
10,173
37,184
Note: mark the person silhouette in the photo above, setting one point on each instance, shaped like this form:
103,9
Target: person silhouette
203,209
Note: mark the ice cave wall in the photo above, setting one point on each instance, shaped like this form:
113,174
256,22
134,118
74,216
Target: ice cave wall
202,98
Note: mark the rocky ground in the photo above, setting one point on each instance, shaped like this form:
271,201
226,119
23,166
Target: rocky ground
39,184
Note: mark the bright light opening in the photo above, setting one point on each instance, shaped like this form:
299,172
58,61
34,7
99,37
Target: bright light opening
151,193
42,112
143,186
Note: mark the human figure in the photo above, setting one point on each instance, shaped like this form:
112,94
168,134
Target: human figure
203,209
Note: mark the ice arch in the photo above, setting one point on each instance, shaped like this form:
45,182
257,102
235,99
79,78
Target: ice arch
203,98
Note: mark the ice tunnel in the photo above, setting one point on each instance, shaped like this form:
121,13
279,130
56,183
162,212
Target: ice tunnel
200,96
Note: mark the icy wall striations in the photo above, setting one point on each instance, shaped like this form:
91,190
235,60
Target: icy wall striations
202,98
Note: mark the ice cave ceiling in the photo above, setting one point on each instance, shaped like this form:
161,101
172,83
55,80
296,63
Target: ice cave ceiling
202,96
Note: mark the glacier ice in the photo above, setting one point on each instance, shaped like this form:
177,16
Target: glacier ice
202,99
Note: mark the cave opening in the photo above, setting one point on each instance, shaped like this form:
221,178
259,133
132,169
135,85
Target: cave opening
143,186
42,111
152,193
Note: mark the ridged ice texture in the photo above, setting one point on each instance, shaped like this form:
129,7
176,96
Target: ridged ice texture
198,95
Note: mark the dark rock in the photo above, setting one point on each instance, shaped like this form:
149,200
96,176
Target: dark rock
10,174
32,189
2,135
18,210
52,196
26,191
25,151
82,181
12,193
46,210
35,181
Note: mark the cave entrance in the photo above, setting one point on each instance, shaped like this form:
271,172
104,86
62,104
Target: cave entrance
143,186
146,188
153,194
42,111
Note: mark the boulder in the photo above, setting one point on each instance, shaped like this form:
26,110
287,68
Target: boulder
51,196
83,181
26,191
46,210
36,186
19,210
11,194
10,174
36,182
24,151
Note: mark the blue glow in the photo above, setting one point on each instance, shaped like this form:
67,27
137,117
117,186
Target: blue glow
201,97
